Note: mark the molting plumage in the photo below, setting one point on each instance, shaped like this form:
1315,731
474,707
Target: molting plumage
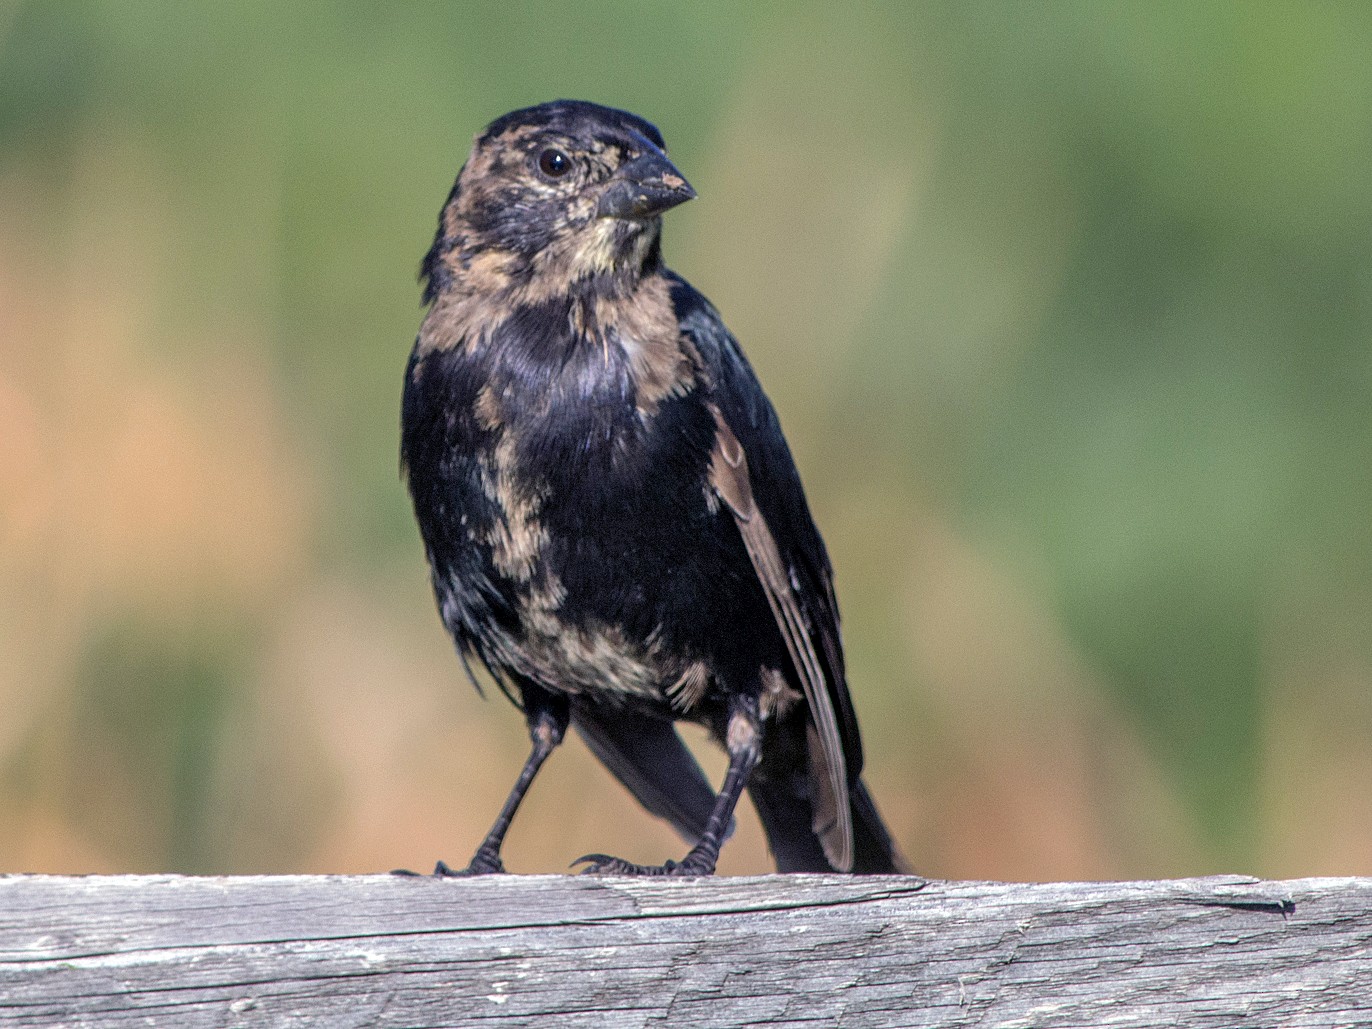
613,521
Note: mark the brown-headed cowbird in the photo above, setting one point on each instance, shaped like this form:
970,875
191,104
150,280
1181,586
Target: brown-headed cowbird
613,522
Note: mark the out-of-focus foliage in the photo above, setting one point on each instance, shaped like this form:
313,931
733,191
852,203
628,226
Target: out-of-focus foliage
1067,309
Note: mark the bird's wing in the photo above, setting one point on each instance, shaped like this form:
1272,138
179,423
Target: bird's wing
649,758
754,474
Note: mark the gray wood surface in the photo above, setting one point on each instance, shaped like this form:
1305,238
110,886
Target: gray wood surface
563,951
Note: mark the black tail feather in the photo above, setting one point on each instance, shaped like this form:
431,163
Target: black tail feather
786,819
874,853
649,758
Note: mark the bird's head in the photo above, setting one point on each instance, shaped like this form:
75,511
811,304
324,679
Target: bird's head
553,195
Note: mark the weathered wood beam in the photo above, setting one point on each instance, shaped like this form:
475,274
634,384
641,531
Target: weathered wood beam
558,951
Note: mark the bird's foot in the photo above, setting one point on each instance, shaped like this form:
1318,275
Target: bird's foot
484,862
603,864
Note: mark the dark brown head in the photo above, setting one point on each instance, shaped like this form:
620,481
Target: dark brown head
553,195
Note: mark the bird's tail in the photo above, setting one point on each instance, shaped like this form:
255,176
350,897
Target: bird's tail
786,819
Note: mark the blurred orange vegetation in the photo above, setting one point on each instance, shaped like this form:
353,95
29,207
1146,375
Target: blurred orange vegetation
211,662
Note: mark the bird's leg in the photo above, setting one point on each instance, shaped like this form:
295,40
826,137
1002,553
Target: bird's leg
743,740
548,715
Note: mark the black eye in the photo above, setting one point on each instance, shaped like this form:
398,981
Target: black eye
554,163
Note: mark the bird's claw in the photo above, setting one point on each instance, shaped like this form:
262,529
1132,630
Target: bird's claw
604,864
484,862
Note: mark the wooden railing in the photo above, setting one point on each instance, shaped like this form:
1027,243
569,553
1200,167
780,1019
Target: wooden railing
559,951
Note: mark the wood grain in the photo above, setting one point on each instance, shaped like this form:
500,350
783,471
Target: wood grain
125,951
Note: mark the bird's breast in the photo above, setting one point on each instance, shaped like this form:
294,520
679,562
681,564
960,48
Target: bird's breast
599,543
572,474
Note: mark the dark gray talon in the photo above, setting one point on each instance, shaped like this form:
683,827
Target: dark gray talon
482,863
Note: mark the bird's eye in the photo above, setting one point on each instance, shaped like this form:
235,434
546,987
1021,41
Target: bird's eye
554,163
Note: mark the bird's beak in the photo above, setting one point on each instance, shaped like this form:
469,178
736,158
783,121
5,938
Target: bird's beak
644,188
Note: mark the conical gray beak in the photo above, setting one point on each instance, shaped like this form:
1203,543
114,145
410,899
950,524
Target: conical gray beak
644,188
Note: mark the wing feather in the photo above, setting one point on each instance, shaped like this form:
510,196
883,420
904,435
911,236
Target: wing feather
832,815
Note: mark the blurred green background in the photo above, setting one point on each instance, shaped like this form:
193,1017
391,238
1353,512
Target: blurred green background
1065,307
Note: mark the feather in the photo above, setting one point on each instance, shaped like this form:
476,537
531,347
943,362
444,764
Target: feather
829,773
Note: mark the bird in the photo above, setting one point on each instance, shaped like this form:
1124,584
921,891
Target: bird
613,522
